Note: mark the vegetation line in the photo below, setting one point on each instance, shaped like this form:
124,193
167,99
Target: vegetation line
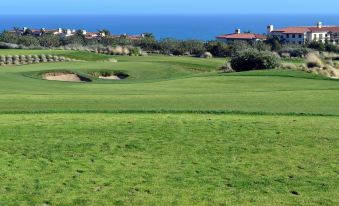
216,112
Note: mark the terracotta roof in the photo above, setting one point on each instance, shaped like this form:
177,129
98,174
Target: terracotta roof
293,30
325,29
305,29
244,36
51,30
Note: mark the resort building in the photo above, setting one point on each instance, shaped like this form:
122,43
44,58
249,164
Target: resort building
238,36
305,34
71,32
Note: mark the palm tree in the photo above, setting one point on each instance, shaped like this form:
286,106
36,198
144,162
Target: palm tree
16,29
105,31
149,35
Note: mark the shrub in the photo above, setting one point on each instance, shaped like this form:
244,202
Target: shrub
317,46
62,59
218,48
2,58
135,51
290,66
56,58
125,51
297,51
238,47
314,61
254,60
227,68
4,45
331,48
207,55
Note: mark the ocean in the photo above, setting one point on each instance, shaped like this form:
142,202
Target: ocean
203,27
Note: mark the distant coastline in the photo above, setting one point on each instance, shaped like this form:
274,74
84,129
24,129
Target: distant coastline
203,27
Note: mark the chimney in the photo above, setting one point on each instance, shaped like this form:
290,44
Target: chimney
319,24
270,28
237,31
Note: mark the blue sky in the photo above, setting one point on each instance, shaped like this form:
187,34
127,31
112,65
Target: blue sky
167,6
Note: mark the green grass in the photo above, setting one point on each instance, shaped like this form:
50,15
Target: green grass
176,132
166,159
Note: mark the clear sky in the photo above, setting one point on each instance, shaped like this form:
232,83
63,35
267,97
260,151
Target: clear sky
168,6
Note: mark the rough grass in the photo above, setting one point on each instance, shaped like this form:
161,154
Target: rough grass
166,159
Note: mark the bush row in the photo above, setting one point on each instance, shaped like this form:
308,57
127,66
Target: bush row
8,60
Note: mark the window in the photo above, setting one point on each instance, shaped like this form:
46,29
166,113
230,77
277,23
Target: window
320,36
287,36
300,36
300,42
315,36
293,36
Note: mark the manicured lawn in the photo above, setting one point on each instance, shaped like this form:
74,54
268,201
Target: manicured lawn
176,132
168,159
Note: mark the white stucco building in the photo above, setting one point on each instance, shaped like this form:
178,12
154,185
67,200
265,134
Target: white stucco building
304,34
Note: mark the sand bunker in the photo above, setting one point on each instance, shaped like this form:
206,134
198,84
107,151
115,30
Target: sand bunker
63,76
111,77
115,76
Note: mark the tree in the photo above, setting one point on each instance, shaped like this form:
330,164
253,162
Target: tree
149,35
16,29
218,48
8,37
148,43
75,39
195,47
28,41
317,45
28,32
170,46
79,33
331,48
49,40
105,31
274,43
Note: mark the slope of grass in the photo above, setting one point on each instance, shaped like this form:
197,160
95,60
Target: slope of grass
105,144
166,159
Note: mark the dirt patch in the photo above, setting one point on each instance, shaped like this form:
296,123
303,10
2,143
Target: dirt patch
64,76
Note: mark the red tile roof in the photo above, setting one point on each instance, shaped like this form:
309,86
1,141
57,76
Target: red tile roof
305,29
325,29
245,36
293,30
